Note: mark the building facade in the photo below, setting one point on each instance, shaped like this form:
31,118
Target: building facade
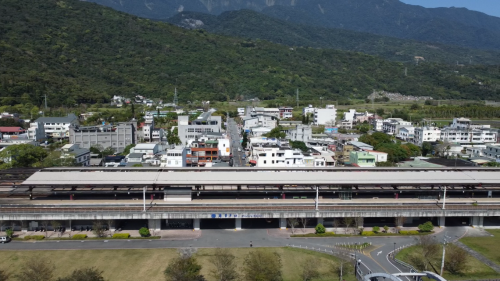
301,133
205,123
81,155
58,127
325,116
116,136
426,134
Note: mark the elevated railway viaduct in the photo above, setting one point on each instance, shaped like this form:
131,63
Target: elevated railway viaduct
251,197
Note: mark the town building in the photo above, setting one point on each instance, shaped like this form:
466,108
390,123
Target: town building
460,135
241,111
346,124
325,116
175,157
36,131
202,152
349,115
426,134
391,126
379,155
377,124
301,133
361,159
360,146
11,132
116,136
308,110
81,155
406,133
148,149
259,120
286,112
58,127
267,111
279,157
205,123
492,151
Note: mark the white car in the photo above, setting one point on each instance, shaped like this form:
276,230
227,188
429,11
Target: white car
4,239
239,149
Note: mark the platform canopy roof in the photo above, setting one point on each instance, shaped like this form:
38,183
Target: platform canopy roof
78,178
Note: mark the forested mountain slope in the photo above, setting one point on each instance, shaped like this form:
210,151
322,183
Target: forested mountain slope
78,52
254,25
451,26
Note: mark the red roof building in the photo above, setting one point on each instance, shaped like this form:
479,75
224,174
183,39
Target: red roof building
12,130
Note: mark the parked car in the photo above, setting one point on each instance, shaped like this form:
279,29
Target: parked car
4,239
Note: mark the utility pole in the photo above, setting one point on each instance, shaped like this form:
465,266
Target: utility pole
144,198
444,253
317,197
297,97
444,198
176,101
45,105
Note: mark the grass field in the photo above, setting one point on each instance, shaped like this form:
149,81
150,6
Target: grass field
475,269
149,264
487,246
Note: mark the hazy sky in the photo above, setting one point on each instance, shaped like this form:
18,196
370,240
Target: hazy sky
490,7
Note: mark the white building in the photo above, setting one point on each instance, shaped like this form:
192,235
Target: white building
267,111
241,111
426,134
391,125
205,123
325,116
175,157
349,116
36,131
406,133
377,124
149,149
379,155
301,133
259,120
58,127
492,151
81,155
462,136
466,124
277,157
346,124
259,131
308,110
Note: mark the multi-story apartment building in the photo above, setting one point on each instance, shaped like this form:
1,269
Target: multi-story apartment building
391,126
406,133
492,151
377,124
308,110
58,127
325,116
267,111
362,159
115,136
36,131
279,157
259,120
300,133
201,152
175,157
426,134
205,123
456,135
286,112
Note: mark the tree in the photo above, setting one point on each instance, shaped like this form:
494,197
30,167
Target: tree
395,152
173,137
426,227
244,140
9,232
386,229
85,274
414,106
427,254
22,155
225,265
303,222
276,133
98,228
262,265
127,149
320,229
144,232
376,229
292,222
342,269
36,269
183,268
299,145
426,148
413,150
45,225
310,269
55,225
456,259
347,222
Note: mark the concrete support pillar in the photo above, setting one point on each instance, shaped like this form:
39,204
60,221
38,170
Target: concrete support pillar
441,221
360,222
24,226
319,220
154,224
476,221
196,224
237,224
112,226
282,223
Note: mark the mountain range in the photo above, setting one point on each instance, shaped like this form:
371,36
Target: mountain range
254,25
451,26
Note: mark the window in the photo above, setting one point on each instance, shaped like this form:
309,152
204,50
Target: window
265,161
272,162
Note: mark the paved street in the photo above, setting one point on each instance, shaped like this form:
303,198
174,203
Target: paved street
376,262
234,135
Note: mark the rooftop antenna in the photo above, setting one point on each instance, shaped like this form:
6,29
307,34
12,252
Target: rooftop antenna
175,97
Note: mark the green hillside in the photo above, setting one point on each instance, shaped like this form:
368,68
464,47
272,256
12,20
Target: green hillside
79,52
254,25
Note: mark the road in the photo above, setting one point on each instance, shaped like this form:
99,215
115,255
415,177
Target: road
234,136
376,261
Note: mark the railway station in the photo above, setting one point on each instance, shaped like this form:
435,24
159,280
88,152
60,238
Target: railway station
239,198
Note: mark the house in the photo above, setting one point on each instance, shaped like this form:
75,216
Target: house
81,155
259,131
391,126
135,158
202,152
175,157
301,133
267,111
349,115
406,133
286,112
36,131
241,111
360,146
58,127
279,157
205,123
377,124
114,161
308,110
362,159
379,155
426,134
11,132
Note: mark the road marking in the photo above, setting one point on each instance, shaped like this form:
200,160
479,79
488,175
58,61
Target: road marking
379,253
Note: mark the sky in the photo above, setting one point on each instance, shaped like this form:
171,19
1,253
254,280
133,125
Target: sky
490,7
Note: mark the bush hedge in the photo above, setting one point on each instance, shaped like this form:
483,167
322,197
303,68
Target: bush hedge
409,232
320,229
34,237
326,234
144,232
79,236
121,235
367,233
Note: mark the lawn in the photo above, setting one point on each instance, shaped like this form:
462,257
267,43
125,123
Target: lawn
487,246
149,264
475,269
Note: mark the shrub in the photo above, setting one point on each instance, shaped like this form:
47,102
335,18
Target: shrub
121,235
320,229
9,232
386,229
144,232
367,233
376,229
34,237
426,227
413,232
403,232
79,236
